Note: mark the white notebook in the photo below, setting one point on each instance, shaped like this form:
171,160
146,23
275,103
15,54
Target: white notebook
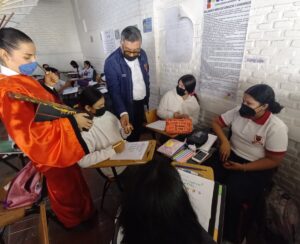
132,151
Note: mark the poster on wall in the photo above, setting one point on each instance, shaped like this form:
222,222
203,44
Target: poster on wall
108,41
224,35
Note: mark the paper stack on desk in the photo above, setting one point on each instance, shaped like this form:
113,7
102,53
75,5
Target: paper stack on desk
132,151
157,125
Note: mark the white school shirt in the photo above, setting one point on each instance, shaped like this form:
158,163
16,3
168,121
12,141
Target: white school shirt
87,73
171,102
105,132
139,87
251,138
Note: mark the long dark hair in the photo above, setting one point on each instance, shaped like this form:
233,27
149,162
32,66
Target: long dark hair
10,39
89,96
265,95
189,82
94,71
156,208
75,65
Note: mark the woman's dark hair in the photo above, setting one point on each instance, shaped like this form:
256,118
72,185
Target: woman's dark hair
89,96
88,63
264,94
10,39
74,64
189,82
156,208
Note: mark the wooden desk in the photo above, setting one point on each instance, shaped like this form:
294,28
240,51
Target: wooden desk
115,163
201,170
162,132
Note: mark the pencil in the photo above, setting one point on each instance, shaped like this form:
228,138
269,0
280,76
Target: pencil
118,144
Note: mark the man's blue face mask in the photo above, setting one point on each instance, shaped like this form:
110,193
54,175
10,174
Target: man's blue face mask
28,69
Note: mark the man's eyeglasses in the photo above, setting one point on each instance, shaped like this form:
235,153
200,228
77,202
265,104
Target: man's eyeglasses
130,53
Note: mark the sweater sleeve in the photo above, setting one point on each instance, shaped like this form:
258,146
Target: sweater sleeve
163,110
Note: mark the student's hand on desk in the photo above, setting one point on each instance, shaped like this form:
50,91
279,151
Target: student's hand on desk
83,121
50,78
225,151
233,166
178,115
119,146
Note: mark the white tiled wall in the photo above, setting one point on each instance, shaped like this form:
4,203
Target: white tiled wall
51,25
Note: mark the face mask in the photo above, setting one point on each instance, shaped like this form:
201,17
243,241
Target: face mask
100,112
180,91
28,69
246,111
131,58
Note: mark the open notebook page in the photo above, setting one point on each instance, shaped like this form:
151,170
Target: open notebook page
132,151
200,191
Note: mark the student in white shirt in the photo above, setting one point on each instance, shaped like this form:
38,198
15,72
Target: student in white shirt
75,66
181,102
105,138
257,145
88,71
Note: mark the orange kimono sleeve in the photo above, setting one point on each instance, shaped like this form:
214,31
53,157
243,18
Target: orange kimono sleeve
56,143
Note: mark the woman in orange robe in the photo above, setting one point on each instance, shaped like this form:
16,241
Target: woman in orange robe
53,146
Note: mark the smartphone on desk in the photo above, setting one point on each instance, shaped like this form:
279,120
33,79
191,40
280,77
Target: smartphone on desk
200,156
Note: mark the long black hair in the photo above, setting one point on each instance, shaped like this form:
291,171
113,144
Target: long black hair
156,209
89,96
189,82
264,94
10,39
75,65
94,71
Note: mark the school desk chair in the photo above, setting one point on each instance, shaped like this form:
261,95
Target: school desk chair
8,217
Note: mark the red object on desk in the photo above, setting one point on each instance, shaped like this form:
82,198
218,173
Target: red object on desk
179,126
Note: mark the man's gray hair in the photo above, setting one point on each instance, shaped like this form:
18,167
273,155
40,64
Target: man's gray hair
131,34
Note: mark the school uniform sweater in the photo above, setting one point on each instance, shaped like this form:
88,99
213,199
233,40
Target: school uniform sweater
171,102
105,132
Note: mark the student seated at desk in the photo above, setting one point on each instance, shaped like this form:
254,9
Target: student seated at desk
181,102
105,138
60,85
156,209
75,66
257,145
88,71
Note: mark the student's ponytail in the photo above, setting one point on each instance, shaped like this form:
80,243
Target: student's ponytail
275,107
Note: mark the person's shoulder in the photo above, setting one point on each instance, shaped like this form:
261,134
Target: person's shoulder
115,55
276,122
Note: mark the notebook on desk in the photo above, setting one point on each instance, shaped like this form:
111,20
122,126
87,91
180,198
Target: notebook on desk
208,201
170,147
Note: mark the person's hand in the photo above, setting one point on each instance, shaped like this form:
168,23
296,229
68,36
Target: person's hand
126,124
230,165
119,146
51,79
178,115
83,121
225,151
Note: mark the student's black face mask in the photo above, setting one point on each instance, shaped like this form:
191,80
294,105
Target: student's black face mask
100,112
246,111
180,91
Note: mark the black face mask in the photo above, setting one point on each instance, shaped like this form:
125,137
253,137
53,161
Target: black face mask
246,111
180,91
130,58
100,112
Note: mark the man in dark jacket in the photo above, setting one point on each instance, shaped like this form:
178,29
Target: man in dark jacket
127,76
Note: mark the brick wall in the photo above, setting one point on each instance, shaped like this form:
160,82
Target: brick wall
271,56
51,25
